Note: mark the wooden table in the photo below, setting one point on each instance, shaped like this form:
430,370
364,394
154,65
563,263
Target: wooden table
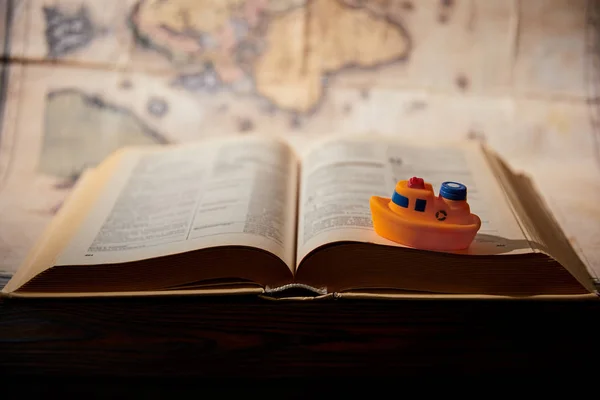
253,339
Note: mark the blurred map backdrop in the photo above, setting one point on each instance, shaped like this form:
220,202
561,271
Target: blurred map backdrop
81,78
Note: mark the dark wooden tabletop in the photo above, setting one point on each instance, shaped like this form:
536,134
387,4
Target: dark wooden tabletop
251,338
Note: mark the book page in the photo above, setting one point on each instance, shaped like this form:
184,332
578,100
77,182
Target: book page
339,176
189,197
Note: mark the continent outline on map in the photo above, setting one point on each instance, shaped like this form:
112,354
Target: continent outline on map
295,87
76,140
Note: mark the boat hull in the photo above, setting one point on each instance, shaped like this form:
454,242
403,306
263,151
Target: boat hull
421,234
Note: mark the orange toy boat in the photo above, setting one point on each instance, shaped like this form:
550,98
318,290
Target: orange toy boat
415,217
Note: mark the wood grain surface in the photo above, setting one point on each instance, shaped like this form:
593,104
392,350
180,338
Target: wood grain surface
254,339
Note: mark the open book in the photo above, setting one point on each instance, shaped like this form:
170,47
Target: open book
253,215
